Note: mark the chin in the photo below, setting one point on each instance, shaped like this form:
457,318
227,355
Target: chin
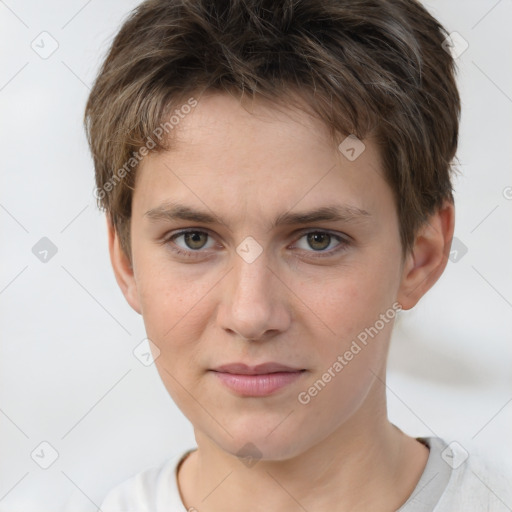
253,442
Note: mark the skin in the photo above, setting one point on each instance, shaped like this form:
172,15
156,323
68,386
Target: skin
248,164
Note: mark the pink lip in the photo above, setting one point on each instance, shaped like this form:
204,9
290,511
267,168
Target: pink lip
260,380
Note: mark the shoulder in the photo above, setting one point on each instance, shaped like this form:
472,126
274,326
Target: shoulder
477,482
148,491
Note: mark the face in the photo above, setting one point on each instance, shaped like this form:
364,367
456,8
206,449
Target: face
238,258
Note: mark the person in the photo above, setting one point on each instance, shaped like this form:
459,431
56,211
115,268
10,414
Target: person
276,178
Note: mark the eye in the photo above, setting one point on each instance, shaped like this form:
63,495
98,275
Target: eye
194,239
320,241
188,242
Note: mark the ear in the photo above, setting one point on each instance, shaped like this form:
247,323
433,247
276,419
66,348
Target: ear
427,260
123,269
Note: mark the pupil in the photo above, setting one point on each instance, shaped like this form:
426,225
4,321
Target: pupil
317,238
192,238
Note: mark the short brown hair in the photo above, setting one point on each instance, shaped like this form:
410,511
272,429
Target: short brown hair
364,67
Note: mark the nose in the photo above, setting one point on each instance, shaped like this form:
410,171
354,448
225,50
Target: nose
254,304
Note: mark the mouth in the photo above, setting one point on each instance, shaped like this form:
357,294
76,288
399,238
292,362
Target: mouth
257,381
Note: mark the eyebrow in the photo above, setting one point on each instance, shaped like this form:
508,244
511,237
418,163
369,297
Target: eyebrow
175,211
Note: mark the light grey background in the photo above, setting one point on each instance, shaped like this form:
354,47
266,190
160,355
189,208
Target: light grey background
67,372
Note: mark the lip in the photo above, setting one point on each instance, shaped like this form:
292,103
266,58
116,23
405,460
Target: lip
260,369
261,380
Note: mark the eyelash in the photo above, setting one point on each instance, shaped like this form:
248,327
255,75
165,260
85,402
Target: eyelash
344,242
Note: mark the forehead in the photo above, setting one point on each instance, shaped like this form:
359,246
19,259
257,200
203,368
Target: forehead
248,157
231,127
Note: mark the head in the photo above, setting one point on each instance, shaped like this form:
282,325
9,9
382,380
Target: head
306,148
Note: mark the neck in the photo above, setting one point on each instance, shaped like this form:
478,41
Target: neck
366,464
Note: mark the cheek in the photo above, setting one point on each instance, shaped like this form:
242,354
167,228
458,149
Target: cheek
346,369
350,299
358,307
167,293
175,310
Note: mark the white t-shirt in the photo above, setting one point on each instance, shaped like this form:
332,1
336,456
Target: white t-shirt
453,481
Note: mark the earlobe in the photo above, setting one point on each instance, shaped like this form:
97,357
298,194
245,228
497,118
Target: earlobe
427,260
122,267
